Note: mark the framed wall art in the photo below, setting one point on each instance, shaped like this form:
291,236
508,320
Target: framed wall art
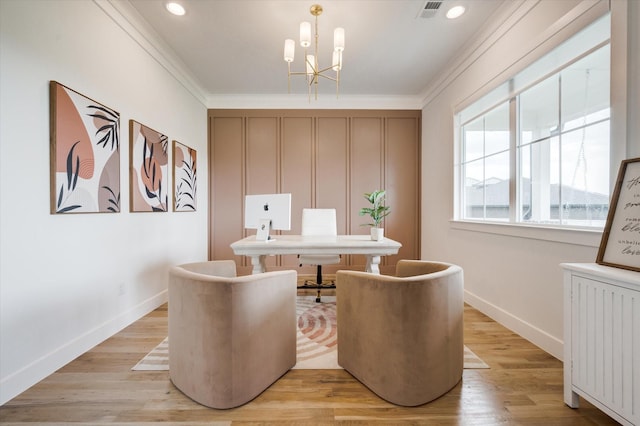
148,169
620,244
84,153
184,178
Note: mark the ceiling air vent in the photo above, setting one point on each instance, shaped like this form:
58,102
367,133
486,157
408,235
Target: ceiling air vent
430,8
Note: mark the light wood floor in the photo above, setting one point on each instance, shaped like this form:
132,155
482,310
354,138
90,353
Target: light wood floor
522,387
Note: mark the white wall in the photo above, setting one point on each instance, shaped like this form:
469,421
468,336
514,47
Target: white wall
70,281
511,274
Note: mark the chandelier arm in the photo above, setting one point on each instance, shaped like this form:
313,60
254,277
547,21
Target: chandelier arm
325,69
314,80
328,77
298,73
312,65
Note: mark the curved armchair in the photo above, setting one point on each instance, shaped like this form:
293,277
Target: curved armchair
230,337
401,336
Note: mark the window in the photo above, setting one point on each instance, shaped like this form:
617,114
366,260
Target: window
536,150
486,165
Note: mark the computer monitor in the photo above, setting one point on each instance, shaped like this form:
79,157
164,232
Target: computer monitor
276,208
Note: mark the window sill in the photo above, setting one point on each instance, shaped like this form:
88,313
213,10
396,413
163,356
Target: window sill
575,236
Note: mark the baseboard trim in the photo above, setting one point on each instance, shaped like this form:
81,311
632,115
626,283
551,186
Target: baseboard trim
16,383
538,337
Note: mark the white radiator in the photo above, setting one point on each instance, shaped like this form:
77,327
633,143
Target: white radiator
605,345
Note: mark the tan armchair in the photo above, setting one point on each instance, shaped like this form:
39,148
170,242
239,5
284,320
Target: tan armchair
230,337
401,336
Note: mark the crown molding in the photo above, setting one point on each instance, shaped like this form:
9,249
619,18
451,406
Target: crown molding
127,18
297,101
497,27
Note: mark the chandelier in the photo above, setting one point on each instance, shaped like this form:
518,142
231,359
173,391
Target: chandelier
313,72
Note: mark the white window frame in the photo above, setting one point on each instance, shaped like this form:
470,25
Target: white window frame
565,234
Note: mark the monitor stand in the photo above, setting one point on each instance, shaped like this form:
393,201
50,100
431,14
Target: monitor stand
264,227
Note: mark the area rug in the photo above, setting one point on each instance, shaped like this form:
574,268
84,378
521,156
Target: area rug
317,340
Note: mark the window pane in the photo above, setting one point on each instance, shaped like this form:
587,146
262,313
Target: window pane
474,190
497,186
539,178
585,90
473,134
539,111
585,175
496,126
524,183
555,170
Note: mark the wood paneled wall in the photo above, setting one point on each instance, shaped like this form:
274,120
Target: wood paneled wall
325,159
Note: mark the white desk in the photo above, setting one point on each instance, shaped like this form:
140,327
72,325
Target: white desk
313,245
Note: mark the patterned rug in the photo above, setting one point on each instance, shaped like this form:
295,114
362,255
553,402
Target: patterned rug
317,340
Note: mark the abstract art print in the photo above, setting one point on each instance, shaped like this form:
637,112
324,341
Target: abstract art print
85,153
149,169
184,178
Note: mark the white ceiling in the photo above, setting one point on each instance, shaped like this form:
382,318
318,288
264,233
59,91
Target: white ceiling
235,47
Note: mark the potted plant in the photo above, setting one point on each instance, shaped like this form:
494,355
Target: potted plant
377,212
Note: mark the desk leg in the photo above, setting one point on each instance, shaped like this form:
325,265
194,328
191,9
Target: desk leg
258,263
372,264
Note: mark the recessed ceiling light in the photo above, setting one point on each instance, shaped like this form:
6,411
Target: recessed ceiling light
455,12
175,8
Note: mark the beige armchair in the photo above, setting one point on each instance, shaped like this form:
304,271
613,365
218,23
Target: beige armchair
230,337
401,336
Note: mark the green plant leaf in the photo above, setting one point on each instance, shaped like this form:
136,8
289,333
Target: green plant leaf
378,210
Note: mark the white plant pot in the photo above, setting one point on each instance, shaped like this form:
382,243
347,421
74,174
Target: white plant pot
377,234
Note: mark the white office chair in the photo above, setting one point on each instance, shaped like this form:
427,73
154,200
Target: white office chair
319,222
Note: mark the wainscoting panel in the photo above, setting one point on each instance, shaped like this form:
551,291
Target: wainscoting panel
367,173
403,184
325,159
331,159
297,172
226,196
261,163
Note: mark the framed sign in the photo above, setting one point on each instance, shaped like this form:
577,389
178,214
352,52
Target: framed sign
620,245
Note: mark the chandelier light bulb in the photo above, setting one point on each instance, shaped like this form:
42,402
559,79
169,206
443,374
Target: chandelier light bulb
305,34
337,60
289,50
338,39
